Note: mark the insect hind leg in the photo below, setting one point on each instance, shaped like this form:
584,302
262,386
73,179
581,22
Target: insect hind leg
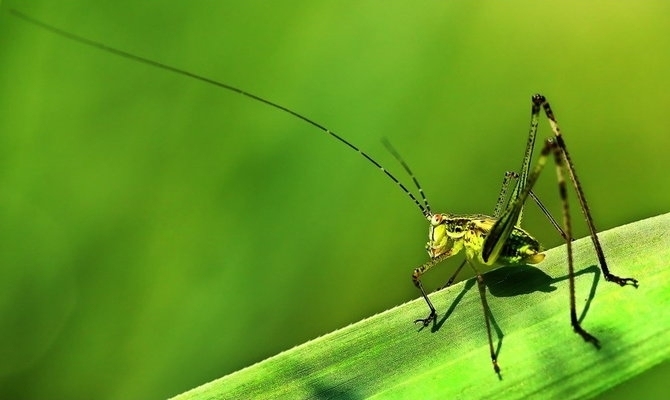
539,100
550,146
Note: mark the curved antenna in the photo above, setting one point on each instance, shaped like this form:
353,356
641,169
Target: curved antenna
426,212
201,78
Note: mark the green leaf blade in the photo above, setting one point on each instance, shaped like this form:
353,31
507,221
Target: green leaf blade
386,356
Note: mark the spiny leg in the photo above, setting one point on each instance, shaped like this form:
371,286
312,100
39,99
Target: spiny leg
522,177
500,203
539,100
567,224
513,211
552,146
501,230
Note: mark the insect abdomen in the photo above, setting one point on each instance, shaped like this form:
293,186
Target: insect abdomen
521,248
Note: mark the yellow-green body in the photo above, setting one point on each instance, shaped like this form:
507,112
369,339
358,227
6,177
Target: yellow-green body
449,234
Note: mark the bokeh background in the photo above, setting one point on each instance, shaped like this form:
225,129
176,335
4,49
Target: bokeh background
157,232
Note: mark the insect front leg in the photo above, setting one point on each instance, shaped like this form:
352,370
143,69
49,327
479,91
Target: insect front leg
416,275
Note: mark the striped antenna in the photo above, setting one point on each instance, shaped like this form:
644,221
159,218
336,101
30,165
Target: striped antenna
424,210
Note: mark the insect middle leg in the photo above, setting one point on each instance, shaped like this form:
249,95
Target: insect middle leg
482,293
485,305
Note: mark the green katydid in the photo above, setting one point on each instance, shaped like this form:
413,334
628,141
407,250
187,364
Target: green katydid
495,240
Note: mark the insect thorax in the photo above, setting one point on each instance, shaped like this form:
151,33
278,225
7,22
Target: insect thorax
449,234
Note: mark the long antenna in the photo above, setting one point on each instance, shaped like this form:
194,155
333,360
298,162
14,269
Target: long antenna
424,210
402,162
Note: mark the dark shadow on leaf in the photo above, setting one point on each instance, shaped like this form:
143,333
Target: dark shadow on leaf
466,287
525,279
518,280
323,391
595,270
321,387
499,334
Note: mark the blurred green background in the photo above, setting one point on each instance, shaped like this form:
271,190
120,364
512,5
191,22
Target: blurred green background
158,233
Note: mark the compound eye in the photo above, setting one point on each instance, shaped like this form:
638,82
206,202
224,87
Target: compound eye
437,219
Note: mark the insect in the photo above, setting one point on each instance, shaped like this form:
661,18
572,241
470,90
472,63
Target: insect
494,240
